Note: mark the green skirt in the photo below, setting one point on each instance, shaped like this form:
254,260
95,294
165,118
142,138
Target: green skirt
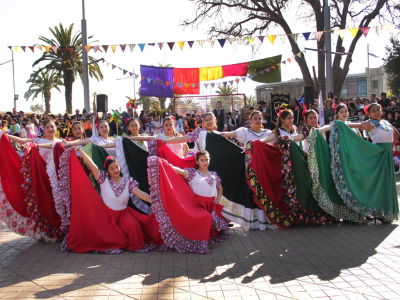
323,187
363,174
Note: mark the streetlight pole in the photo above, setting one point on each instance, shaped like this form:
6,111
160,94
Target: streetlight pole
12,60
328,49
368,78
85,60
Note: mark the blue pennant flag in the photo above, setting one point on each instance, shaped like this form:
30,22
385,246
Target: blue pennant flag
306,35
148,79
180,85
142,46
222,42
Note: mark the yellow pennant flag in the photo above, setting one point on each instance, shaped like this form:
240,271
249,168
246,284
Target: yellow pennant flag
272,38
180,44
341,33
250,39
299,54
113,48
47,48
391,28
15,49
354,31
39,47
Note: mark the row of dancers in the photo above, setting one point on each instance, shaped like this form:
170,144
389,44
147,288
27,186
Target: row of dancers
142,193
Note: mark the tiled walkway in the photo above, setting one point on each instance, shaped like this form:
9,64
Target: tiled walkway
327,262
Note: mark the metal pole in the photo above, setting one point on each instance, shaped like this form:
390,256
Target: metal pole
134,91
85,60
368,78
12,59
327,25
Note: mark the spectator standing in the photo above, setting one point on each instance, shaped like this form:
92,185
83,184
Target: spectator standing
384,102
15,127
220,115
329,111
125,118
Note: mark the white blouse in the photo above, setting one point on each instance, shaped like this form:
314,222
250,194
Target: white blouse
99,140
176,148
42,151
201,184
290,135
381,136
245,135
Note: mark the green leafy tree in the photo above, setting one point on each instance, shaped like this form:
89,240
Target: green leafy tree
43,83
67,61
251,100
392,65
225,90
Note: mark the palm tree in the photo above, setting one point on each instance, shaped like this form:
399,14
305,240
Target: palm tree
43,83
67,56
251,100
225,90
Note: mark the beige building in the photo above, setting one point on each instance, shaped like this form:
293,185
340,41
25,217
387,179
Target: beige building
355,85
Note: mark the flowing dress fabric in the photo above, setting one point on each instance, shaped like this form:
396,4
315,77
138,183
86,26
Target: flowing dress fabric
39,197
323,187
265,180
133,162
158,148
176,148
179,211
228,160
95,227
13,208
364,174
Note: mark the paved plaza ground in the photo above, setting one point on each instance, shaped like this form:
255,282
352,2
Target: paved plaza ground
335,261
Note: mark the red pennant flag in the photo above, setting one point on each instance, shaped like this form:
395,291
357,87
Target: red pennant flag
71,49
105,47
273,67
171,45
365,30
23,48
63,49
237,80
167,83
32,48
288,59
143,77
95,48
9,47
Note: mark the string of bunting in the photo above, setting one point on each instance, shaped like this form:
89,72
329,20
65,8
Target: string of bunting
222,42
186,84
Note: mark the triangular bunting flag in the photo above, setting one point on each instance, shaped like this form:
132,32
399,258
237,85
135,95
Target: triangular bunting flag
354,32
54,48
193,85
142,77
171,45
16,48
78,48
365,30
267,69
294,36
306,35
87,48
62,48
212,85
261,72
250,40
23,48
278,64
190,43
378,29
160,45
206,85
244,79
249,77
180,85
148,79
283,38
212,42
123,46
341,33
231,82
48,48
136,76
167,83
299,54
391,28
222,42
39,47
224,83
289,60
174,84
187,85
261,38
120,68
32,48
272,38
237,80
105,47
10,47
113,48
231,40
130,74
155,81
201,43
124,72
273,67
71,49
141,46
108,63
132,46
180,44
161,82
284,62
151,44
95,48
318,35
113,66
239,41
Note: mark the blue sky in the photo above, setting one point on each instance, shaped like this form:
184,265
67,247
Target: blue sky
132,22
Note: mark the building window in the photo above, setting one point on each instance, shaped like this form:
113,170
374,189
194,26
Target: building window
375,84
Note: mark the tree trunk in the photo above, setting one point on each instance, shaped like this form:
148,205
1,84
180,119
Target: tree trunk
47,98
162,102
69,79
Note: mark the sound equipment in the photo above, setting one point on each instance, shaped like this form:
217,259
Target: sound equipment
102,103
309,95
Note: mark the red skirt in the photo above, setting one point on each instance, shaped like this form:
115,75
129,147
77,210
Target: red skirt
95,227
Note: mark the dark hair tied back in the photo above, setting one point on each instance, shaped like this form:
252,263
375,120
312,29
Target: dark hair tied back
284,114
200,153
